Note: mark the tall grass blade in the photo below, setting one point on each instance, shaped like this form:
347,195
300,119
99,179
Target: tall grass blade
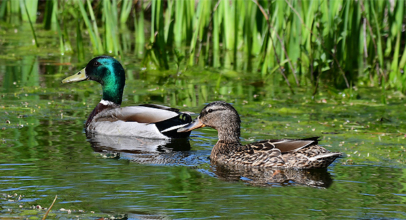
93,32
79,42
30,12
179,23
126,6
32,27
198,19
3,8
139,32
49,7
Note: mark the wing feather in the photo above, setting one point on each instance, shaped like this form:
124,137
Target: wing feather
162,107
285,145
140,114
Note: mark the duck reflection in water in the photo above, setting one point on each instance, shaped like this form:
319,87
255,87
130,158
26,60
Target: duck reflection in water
144,150
260,176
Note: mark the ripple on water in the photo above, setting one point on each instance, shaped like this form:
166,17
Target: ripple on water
185,185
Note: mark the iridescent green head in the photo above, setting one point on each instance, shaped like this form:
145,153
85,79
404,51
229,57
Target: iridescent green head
108,72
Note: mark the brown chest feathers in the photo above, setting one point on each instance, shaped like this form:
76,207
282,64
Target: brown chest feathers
99,108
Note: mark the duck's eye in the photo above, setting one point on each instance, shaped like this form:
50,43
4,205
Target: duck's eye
210,110
96,63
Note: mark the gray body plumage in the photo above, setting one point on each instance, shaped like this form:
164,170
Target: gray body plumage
133,121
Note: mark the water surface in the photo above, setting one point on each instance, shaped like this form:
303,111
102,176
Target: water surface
44,151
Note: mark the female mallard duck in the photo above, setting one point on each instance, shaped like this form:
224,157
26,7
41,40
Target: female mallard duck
108,118
284,153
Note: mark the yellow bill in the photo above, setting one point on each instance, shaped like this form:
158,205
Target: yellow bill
80,76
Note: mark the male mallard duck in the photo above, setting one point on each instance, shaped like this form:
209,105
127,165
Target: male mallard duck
108,118
284,153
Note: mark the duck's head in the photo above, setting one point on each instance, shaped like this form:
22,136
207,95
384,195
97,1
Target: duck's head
108,72
221,116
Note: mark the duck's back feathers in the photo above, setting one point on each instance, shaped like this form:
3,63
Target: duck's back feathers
313,156
139,121
285,145
160,107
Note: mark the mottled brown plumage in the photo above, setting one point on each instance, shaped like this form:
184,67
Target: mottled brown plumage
284,153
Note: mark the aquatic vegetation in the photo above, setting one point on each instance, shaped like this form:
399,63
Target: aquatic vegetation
301,43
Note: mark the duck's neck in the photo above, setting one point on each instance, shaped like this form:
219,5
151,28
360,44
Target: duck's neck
229,134
113,91
229,140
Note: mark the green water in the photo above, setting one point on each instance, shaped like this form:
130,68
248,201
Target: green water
44,151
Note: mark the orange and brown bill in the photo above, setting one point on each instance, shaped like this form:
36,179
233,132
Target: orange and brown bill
197,123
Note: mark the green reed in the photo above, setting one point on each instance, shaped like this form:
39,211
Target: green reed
302,43
29,18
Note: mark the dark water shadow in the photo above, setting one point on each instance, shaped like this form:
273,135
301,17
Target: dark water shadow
258,176
146,151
